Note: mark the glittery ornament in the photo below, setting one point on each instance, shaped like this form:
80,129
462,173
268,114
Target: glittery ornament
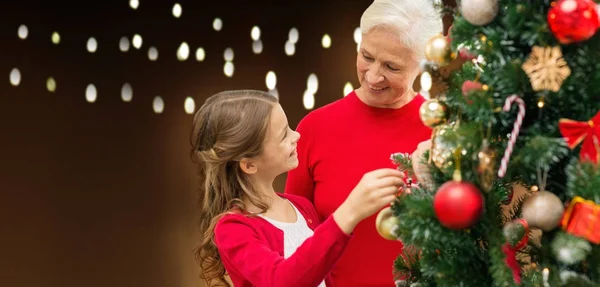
573,20
385,223
486,166
442,150
479,12
543,210
438,50
433,113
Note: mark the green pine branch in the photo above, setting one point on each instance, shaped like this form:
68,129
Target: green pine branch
474,256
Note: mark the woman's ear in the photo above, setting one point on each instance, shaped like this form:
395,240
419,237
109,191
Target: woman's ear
248,166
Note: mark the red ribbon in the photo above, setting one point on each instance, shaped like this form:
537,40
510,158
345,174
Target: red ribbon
511,261
588,132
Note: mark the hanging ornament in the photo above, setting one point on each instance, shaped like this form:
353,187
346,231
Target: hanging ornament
458,204
575,132
479,12
386,223
517,236
516,233
465,55
486,166
582,218
433,113
469,86
543,210
514,133
438,51
573,20
546,68
441,148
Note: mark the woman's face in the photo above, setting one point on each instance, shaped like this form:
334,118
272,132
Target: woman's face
386,69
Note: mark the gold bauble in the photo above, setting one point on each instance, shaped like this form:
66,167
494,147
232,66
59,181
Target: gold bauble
442,152
486,166
543,210
438,50
433,113
386,222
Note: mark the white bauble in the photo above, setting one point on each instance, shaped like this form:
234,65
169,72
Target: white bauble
479,12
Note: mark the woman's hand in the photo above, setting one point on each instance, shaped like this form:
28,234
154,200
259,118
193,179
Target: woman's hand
375,190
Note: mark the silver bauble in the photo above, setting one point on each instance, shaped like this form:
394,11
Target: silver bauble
543,210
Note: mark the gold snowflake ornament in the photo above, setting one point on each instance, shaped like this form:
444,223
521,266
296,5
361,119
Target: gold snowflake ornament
546,68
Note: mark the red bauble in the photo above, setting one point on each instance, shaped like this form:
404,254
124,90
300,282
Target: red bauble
469,86
573,20
458,204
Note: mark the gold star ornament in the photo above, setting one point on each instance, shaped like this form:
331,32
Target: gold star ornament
546,68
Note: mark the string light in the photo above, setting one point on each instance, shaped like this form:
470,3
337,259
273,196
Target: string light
257,46
271,80
217,24
55,38
348,88
200,54
293,35
189,105
51,85
326,41
255,33
541,103
426,81
158,105
15,77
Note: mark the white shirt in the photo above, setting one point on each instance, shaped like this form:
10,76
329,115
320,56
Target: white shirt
294,233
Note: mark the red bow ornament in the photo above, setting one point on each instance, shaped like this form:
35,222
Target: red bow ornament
588,132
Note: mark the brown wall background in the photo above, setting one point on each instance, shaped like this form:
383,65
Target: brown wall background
102,194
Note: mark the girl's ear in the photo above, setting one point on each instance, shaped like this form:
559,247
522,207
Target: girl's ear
248,166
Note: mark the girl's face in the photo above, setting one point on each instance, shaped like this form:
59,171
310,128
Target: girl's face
279,148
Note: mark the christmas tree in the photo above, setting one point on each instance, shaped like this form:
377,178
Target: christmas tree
521,112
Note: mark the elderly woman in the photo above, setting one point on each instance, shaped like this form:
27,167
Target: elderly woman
358,133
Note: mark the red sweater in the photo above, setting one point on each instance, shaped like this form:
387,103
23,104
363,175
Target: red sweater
251,250
341,142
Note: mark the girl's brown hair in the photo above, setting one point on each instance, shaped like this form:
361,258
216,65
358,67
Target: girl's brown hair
229,126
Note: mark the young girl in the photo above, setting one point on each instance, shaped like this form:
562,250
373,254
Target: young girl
241,142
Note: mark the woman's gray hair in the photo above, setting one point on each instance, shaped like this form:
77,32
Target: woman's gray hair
414,21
